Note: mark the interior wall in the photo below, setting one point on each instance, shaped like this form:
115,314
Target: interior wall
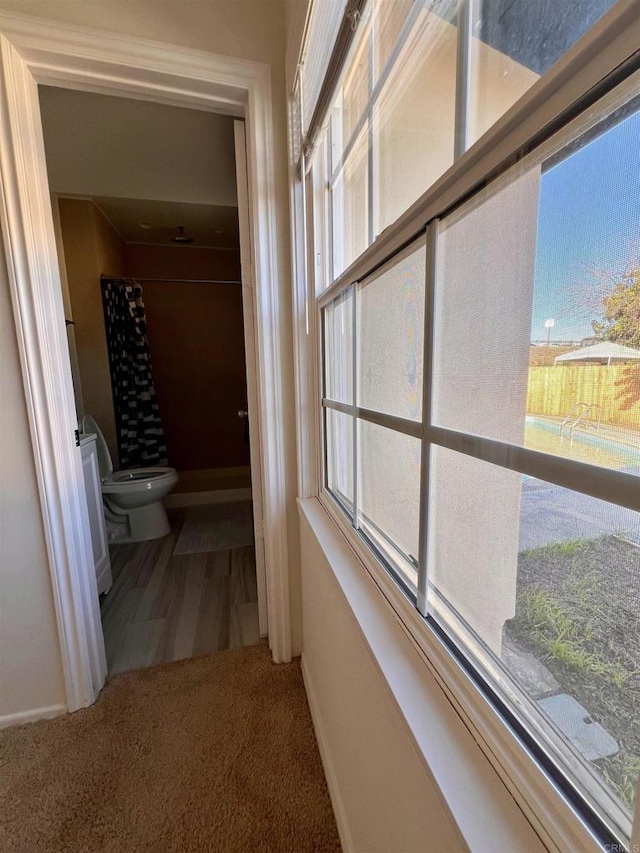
98,145
30,665
383,789
253,30
91,248
196,339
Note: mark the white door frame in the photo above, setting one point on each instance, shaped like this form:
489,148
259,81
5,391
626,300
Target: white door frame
248,317
34,51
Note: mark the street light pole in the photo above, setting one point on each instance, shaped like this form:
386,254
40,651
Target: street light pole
549,324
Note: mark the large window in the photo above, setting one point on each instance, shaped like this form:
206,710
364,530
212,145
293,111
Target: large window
502,492
481,387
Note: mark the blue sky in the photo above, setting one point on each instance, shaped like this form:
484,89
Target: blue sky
588,220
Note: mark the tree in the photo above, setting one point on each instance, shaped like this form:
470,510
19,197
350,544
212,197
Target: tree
621,321
621,324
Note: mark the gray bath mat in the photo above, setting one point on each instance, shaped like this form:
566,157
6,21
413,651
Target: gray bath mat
216,527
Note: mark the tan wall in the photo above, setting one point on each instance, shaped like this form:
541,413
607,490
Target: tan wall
254,30
91,249
196,339
30,665
82,160
555,390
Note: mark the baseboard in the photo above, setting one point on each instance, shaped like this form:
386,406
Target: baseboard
30,716
339,812
215,497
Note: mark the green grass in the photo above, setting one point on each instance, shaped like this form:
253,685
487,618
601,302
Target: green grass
628,767
561,637
568,548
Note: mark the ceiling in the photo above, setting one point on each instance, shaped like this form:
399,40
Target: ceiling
211,226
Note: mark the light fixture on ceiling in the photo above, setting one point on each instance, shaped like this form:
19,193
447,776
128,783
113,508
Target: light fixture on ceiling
180,237
146,226
218,231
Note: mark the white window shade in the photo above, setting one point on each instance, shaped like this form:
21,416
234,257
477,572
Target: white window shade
324,24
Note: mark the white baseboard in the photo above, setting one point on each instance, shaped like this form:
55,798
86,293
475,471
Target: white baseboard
214,497
32,715
327,762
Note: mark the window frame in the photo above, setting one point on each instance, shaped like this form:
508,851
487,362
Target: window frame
603,58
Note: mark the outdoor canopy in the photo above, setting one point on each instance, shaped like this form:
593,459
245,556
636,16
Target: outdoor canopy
605,353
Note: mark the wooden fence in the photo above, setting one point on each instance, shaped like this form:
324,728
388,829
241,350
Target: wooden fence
554,391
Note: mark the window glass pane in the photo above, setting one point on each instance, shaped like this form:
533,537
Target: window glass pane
414,117
547,582
537,304
390,336
389,495
352,96
338,348
350,206
339,452
388,20
514,43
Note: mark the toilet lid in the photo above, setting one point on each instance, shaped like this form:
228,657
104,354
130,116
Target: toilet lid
104,457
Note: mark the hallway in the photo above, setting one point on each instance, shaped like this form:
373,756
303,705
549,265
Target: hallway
213,754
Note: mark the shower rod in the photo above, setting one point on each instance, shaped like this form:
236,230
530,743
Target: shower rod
188,280
177,280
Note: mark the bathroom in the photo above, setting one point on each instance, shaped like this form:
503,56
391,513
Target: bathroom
148,230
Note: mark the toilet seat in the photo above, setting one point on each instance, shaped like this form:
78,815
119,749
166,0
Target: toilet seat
132,478
134,474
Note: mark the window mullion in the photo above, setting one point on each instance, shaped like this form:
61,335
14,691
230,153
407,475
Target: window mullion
354,361
463,77
427,384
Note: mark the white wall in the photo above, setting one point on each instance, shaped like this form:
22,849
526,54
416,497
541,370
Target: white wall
250,29
98,145
30,666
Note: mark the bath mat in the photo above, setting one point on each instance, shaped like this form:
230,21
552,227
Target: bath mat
215,527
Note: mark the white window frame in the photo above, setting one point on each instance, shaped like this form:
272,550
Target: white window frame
608,52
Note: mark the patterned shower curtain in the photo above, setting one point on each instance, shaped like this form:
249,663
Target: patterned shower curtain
141,441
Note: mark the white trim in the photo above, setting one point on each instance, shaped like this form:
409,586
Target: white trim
217,496
36,51
251,361
36,294
303,334
47,712
339,811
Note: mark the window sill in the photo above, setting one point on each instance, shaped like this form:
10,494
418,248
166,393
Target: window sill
462,737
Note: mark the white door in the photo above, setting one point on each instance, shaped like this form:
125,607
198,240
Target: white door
248,310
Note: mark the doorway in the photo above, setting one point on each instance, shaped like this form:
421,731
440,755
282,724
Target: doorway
150,265
35,53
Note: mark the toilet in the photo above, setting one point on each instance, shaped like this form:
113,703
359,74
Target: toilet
132,499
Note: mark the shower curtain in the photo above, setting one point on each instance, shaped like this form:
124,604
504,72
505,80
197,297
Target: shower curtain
141,441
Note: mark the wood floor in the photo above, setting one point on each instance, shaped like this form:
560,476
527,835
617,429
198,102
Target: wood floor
163,607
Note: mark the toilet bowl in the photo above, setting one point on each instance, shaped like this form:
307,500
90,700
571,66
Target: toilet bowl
132,498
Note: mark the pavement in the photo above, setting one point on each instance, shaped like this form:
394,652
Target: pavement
551,514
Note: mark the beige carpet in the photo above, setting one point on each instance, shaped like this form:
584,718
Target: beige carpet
210,754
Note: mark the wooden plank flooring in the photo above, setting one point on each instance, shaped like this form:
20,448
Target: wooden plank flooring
163,608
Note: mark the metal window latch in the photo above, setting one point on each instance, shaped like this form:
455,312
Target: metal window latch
77,437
